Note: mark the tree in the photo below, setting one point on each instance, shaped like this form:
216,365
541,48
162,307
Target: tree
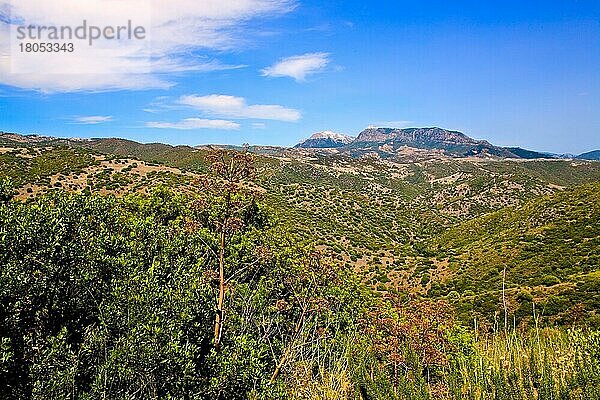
233,206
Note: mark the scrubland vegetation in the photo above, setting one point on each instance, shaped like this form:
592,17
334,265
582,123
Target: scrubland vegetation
277,279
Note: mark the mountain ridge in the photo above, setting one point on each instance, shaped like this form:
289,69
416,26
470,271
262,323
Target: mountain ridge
593,155
395,142
453,143
459,145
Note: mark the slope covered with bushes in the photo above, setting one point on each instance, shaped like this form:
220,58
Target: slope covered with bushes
545,251
207,290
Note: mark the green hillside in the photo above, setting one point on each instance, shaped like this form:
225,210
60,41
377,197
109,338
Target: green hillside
151,271
372,215
547,249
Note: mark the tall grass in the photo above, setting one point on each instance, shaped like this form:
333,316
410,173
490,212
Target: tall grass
542,364
545,364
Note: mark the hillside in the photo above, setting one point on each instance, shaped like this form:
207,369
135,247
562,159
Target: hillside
111,262
547,248
592,155
374,216
414,144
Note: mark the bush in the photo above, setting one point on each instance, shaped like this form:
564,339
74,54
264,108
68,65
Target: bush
453,296
7,190
115,298
549,280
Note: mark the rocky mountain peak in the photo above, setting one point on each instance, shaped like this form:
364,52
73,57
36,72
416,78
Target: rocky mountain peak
325,139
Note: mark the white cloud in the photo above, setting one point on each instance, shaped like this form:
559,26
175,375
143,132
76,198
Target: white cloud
259,125
195,123
237,107
177,30
93,119
298,67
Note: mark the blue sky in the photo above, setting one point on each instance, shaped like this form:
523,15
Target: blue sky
523,73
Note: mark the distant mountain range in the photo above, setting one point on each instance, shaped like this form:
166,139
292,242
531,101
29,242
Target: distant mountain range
530,154
592,155
390,142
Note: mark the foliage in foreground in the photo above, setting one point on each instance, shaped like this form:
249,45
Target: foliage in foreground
115,298
107,298
549,364
546,364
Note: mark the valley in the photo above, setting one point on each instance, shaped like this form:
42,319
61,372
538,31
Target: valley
427,266
435,226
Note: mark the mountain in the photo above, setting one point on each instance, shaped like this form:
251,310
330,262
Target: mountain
429,136
405,145
529,154
592,155
325,140
452,143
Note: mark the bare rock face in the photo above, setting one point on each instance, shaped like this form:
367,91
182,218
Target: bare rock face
427,136
451,142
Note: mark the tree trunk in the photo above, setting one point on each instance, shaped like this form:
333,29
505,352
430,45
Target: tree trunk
219,316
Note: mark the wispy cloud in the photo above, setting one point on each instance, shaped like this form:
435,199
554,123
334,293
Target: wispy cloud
196,123
93,119
298,67
176,30
237,107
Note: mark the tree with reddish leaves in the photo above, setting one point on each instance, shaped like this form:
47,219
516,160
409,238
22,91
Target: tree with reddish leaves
412,327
